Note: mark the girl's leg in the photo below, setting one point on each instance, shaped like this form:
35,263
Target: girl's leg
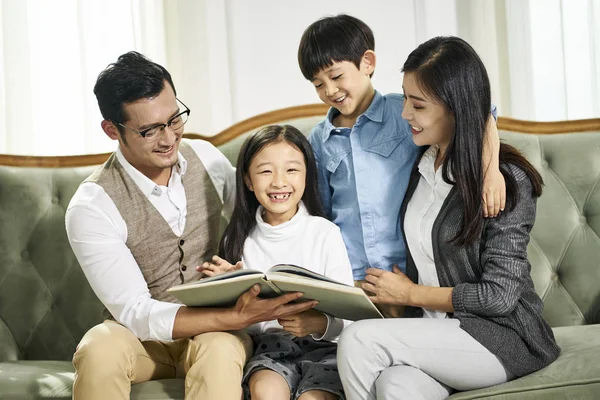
268,385
437,347
318,395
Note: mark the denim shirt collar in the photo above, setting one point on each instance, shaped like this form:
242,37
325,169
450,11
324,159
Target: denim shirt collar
374,113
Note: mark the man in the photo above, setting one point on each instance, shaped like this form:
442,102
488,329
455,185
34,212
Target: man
140,224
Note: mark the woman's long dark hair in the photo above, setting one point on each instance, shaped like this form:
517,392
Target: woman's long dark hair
449,70
243,218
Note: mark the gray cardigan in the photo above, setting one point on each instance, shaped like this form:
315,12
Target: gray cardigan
493,296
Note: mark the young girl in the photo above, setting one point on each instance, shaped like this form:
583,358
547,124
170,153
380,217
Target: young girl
278,218
476,319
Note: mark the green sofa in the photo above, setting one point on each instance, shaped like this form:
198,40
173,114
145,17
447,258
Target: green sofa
46,304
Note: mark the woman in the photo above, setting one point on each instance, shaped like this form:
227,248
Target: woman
477,320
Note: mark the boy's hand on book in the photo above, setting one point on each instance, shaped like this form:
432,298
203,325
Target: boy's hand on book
218,266
388,287
305,323
251,309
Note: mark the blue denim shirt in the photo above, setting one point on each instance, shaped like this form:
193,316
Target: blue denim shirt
363,175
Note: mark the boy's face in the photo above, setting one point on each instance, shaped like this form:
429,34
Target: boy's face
345,87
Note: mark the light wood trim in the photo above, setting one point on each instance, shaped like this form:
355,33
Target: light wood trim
284,114
53,162
552,127
268,118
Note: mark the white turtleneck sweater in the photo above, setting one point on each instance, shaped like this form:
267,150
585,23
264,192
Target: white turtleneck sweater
307,241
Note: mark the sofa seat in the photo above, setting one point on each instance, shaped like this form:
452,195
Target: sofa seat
20,380
574,375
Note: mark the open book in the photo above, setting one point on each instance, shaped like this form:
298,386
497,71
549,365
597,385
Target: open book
335,298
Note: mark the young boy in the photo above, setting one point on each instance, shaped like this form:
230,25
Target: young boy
364,149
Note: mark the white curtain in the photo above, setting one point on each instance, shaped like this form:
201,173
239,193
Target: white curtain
543,56
232,59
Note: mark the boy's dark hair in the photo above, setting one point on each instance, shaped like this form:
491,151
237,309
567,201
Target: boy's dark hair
131,78
448,70
333,39
243,218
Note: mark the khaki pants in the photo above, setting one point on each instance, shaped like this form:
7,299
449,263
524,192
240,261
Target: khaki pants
387,310
110,358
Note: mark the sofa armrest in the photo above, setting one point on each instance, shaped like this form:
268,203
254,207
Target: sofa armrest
9,351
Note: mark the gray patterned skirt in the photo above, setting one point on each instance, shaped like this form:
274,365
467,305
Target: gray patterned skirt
306,364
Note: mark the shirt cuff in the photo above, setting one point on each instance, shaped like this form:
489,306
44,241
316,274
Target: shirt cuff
161,321
334,328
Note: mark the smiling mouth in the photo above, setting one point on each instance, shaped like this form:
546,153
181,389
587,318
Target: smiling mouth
279,196
340,99
164,151
415,129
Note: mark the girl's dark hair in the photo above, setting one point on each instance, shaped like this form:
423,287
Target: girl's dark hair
132,77
243,218
449,70
333,39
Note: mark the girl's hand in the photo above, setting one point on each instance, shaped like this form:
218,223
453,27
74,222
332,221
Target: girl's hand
218,266
388,287
305,323
494,186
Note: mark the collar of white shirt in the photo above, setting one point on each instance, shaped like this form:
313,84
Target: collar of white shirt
427,165
282,231
146,185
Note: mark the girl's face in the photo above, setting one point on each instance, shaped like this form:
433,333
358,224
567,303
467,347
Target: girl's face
277,176
431,123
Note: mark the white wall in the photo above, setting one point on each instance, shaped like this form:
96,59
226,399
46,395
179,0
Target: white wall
255,68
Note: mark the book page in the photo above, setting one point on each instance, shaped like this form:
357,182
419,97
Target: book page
294,270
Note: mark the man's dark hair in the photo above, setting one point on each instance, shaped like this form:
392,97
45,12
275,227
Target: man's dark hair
131,78
333,39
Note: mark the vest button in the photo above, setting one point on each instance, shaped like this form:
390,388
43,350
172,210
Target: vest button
183,267
181,242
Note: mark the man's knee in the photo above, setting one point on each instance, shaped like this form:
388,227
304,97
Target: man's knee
223,346
103,348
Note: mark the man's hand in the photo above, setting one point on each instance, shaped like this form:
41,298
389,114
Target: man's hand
218,266
494,186
305,323
388,287
251,309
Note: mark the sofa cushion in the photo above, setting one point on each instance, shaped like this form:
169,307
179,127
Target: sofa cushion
575,374
54,380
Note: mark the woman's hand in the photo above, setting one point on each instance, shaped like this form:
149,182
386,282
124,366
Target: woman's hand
218,266
305,323
388,287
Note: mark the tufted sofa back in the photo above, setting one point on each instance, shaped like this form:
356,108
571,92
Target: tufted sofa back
564,250
46,304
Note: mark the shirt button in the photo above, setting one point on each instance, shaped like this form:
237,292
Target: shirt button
181,242
183,267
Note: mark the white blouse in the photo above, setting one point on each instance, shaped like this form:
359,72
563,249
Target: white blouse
421,213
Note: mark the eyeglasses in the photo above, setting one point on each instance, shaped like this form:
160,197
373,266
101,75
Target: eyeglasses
154,133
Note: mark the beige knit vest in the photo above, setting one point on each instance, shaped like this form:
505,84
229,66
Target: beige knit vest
164,258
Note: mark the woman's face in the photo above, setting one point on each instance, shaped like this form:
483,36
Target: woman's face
431,123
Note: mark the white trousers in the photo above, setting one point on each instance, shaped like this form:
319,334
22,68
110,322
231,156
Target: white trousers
413,358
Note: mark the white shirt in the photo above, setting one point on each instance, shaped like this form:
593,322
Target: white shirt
421,213
306,241
98,235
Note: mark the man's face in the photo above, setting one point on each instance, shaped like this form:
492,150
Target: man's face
152,158
346,87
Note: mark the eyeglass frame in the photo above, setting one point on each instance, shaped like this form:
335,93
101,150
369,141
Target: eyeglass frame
162,126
